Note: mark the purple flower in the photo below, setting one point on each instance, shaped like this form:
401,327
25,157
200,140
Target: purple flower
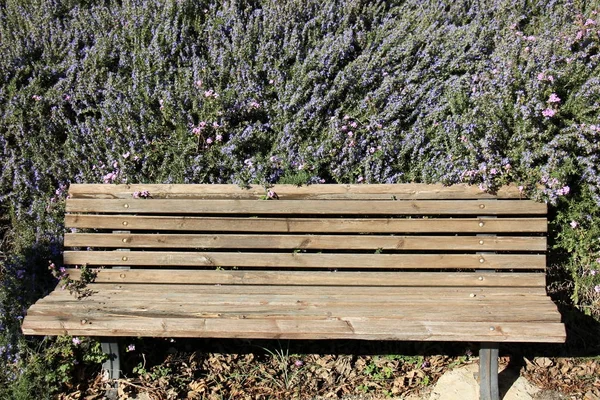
548,112
110,177
553,98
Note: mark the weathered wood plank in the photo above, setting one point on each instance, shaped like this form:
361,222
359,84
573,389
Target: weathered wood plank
290,295
314,192
309,225
312,207
235,294
348,328
306,260
488,311
320,278
320,242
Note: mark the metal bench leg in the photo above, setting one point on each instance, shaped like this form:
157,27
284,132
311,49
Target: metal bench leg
488,372
111,367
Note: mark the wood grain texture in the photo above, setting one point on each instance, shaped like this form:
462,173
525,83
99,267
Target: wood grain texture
314,192
264,307
349,293
179,239
308,225
320,278
310,207
305,260
309,242
329,328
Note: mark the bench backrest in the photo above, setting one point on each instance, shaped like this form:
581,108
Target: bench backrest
348,235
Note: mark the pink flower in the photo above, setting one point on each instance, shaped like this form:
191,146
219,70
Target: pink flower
131,347
548,112
209,141
520,189
593,272
589,22
553,98
360,179
493,171
354,124
541,76
372,150
350,134
574,224
126,155
563,191
109,178
597,288
219,138
76,341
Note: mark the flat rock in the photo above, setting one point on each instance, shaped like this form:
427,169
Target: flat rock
461,384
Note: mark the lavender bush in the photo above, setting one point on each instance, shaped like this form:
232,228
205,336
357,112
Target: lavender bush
305,92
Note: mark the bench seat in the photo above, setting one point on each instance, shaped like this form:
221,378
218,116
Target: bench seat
469,313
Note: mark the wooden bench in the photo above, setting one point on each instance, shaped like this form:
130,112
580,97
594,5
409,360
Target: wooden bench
373,262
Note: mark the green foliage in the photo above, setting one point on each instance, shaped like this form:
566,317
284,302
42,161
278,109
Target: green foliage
577,233
348,91
38,374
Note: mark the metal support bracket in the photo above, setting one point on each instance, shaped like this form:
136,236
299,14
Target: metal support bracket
111,368
488,372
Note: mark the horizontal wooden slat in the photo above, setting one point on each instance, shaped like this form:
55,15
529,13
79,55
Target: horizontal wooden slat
319,278
309,225
313,207
181,292
265,308
305,260
322,242
314,192
330,328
